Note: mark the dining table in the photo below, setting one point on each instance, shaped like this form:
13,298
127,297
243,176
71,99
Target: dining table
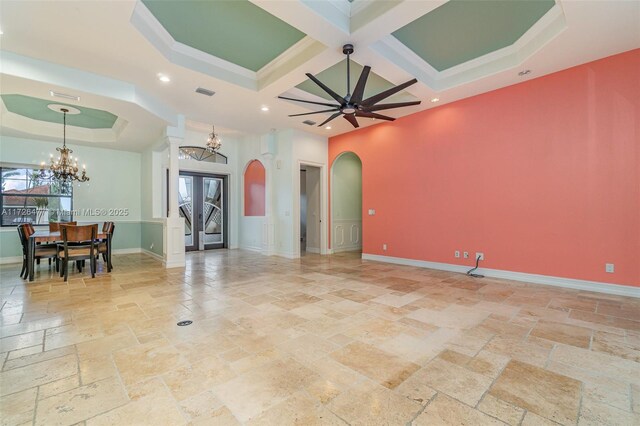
49,237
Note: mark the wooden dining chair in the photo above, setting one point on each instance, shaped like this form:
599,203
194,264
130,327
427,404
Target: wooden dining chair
104,246
78,243
42,252
55,226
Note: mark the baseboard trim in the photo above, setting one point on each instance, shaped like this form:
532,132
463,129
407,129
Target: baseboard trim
347,248
598,287
152,254
128,250
10,259
251,248
314,250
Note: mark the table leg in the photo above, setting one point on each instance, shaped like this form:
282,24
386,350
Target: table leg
31,255
109,266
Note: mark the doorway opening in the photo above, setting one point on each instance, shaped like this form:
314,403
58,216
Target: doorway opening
203,201
310,210
346,203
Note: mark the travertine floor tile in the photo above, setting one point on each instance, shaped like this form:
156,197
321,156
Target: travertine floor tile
321,339
550,395
387,369
444,411
81,403
455,381
368,403
37,374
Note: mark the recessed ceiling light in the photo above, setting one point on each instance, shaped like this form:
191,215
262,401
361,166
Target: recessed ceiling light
164,78
328,127
265,108
434,100
524,72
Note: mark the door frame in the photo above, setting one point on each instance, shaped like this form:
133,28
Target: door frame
324,212
225,210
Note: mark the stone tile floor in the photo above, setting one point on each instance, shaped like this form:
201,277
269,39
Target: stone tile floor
321,340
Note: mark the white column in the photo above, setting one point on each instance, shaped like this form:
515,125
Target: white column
268,150
174,173
174,228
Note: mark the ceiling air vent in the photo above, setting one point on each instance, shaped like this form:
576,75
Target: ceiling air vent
64,95
309,122
205,92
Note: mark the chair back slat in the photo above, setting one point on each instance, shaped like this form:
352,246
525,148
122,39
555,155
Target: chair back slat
108,227
78,234
26,230
55,226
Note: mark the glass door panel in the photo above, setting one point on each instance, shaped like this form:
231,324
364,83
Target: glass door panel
213,208
202,201
185,206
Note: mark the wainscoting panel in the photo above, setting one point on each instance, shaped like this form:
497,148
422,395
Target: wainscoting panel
346,235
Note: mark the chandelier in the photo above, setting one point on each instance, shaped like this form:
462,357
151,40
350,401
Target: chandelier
214,143
65,168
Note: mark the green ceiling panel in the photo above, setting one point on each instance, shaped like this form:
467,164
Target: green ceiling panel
234,30
461,30
36,109
336,78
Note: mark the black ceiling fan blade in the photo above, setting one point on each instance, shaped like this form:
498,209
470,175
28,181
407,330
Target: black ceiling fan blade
383,95
329,119
358,92
314,112
331,93
390,106
309,102
352,119
373,115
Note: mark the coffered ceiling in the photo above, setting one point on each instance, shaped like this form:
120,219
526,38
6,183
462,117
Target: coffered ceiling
249,52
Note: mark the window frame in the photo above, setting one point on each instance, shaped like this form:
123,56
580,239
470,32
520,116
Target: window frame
4,167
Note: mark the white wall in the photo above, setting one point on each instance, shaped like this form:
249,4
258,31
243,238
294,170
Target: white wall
313,213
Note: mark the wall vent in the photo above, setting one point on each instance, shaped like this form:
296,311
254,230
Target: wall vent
205,92
309,122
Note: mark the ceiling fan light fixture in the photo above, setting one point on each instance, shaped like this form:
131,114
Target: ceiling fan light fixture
354,105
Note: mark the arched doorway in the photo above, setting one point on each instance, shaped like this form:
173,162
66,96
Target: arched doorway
346,203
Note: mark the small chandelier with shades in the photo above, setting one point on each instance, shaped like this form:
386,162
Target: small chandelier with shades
65,168
214,143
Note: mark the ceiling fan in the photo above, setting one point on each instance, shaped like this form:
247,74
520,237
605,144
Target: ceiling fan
352,105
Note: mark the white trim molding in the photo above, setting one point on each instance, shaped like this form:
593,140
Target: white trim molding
599,287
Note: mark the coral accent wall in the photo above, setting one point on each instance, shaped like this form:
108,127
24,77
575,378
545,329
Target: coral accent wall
254,191
542,176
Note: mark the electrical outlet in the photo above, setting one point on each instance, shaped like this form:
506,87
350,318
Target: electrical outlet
466,254
610,268
384,247
372,212
456,254
480,255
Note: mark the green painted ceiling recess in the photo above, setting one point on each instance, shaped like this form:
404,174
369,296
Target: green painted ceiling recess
336,78
234,30
461,30
36,109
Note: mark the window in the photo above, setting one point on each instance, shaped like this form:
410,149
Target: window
30,195
199,153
